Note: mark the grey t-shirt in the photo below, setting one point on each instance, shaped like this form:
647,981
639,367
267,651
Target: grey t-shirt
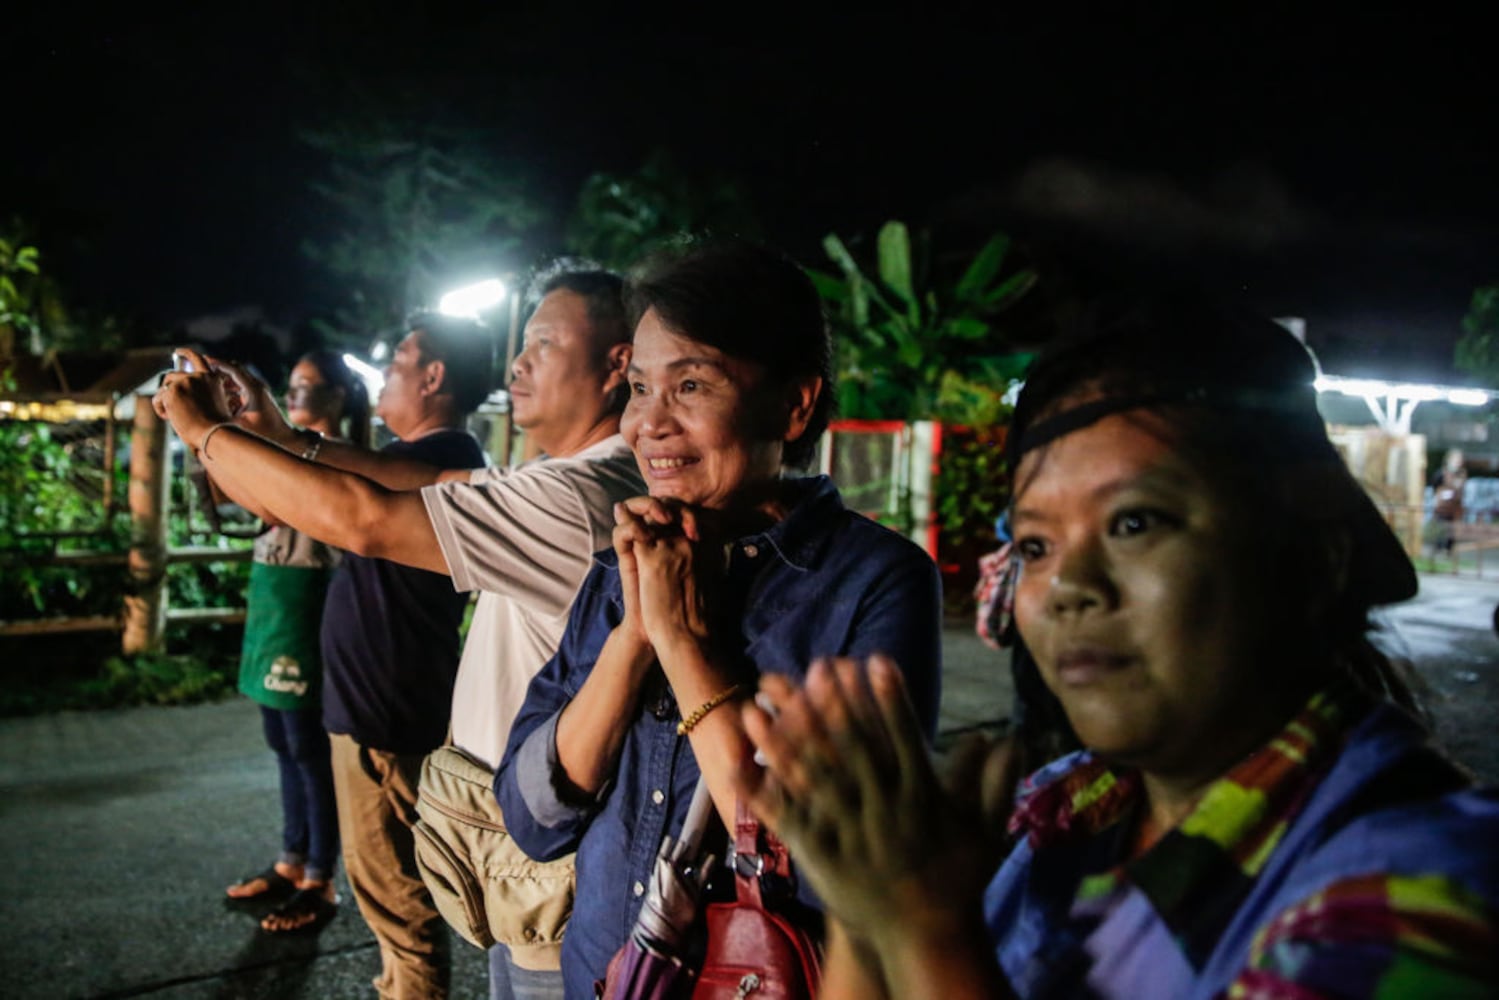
524,538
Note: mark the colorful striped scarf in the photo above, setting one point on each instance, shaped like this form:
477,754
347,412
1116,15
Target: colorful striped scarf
1229,833
1411,930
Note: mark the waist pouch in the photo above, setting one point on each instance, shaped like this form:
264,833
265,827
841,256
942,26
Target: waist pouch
484,885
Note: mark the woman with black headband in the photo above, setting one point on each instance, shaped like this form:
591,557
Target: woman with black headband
1257,811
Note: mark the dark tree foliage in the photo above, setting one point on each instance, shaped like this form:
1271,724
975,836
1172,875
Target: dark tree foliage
416,206
621,217
1478,350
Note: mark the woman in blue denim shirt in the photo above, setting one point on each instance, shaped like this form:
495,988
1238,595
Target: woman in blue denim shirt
725,571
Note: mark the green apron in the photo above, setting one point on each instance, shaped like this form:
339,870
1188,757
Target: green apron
281,665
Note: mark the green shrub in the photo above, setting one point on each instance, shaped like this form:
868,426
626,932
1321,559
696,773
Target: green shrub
155,679
83,674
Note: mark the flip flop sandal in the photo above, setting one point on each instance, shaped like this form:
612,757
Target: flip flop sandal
310,906
275,883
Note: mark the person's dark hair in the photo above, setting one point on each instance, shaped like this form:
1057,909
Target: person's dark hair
465,348
604,293
355,418
1237,393
752,303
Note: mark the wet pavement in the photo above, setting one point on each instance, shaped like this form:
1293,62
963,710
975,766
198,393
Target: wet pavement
1449,632
119,828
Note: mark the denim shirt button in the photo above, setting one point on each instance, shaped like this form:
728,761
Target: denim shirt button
750,551
658,796
638,889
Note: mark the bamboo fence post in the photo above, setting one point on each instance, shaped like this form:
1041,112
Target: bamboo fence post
145,597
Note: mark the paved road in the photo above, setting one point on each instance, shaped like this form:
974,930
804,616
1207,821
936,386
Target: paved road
1449,632
119,828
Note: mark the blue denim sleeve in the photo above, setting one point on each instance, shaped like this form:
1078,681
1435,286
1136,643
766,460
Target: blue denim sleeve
901,616
543,818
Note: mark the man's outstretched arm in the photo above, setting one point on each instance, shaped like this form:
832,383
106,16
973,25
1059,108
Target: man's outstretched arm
398,473
260,414
334,506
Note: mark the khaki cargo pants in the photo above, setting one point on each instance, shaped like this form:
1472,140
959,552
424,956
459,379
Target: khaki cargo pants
376,794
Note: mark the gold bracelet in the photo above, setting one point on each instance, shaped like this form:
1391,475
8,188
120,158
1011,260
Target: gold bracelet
203,445
698,714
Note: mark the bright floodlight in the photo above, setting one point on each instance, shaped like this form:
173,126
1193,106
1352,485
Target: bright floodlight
372,377
472,300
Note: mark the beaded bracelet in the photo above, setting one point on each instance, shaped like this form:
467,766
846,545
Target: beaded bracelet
698,714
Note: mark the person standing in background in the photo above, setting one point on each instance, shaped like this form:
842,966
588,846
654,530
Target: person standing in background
1447,513
523,538
281,666
389,634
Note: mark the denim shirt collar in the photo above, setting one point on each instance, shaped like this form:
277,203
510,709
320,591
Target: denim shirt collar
798,538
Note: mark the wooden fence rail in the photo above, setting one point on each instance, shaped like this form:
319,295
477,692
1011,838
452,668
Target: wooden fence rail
143,619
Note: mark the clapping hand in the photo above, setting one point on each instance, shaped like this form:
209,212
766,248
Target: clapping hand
851,789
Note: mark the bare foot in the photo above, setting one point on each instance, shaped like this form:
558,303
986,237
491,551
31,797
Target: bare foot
311,906
279,877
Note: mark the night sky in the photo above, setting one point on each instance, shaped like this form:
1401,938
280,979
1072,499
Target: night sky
1343,170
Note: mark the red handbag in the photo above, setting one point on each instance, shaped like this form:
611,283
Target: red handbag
753,950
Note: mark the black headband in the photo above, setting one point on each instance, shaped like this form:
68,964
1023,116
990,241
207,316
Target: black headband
1280,406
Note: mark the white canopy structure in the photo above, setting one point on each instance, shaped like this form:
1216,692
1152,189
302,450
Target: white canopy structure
1393,403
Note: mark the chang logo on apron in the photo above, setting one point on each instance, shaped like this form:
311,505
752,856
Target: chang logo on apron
286,676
